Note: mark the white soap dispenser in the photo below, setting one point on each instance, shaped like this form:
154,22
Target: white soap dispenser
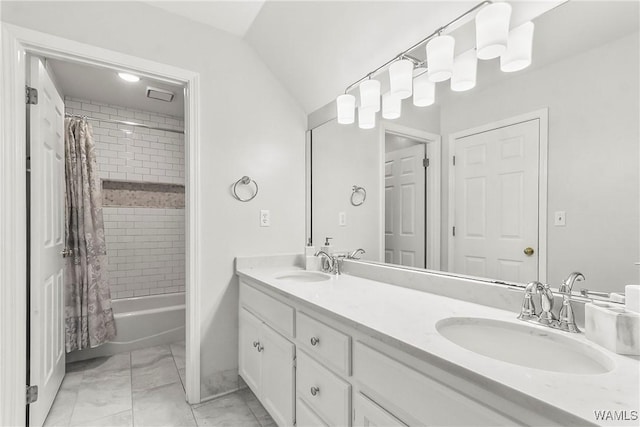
327,245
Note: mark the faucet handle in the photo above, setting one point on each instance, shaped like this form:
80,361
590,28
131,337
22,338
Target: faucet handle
566,318
528,310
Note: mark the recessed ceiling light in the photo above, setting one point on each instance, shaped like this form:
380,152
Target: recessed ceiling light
129,77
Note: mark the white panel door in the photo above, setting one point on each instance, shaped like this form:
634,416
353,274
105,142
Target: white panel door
47,242
405,206
496,203
369,414
249,359
278,376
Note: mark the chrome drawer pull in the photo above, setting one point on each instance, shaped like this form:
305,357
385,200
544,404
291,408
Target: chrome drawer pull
315,341
260,348
315,391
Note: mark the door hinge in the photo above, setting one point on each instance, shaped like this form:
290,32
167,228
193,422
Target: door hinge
32,394
28,164
454,160
425,162
31,95
454,231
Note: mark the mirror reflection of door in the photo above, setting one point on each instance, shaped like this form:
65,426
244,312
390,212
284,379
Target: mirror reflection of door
404,201
496,203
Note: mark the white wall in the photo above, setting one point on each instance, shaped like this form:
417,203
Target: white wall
593,156
250,126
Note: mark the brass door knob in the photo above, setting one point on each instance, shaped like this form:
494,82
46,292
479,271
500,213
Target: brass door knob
528,251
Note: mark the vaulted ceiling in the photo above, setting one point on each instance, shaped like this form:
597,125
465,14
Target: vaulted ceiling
318,47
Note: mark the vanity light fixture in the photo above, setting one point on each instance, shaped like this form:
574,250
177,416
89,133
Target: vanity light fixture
391,106
401,78
424,90
492,40
518,54
465,68
370,95
366,118
440,58
129,77
492,30
346,109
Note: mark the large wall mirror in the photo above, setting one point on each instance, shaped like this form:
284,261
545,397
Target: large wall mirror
546,175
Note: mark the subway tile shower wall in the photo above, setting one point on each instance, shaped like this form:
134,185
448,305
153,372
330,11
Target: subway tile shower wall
145,246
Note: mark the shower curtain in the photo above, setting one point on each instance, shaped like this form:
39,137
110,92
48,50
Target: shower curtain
88,315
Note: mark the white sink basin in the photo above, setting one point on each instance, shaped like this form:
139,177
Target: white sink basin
304,276
525,345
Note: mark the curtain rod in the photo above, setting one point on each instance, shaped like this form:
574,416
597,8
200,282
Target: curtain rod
123,122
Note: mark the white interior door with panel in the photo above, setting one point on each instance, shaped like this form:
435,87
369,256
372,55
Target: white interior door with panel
47,357
404,206
496,176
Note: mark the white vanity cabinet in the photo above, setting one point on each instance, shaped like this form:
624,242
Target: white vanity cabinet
267,362
344,377
367,413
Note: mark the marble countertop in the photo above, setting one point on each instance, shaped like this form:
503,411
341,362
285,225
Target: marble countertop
407,318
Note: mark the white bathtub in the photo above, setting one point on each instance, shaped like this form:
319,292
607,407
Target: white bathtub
141,322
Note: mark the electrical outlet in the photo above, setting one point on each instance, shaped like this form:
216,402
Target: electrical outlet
342,219
560,219
265,218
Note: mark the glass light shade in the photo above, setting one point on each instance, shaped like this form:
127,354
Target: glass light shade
366,118
440,58
465,68
391,106
424,90
518,54
370,94
401,78
492,30
346,109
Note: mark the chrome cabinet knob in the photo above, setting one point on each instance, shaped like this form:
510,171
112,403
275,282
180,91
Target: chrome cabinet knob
260,348
315,391
315,341
255,344
66,252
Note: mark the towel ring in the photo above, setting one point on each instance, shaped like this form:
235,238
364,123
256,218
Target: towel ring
245,180
358,190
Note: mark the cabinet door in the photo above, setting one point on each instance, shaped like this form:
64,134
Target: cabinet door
369,414
248,354
305,417
278,387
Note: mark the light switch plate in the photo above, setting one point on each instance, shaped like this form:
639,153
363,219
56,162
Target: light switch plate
560,219
342,219
265,218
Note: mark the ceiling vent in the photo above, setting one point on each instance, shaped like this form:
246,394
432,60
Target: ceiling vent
160,94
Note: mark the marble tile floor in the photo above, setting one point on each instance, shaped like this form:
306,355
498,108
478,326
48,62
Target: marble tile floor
145,388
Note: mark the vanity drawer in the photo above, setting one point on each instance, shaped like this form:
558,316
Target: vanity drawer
305,417
326,344
323,391
278,315
407,393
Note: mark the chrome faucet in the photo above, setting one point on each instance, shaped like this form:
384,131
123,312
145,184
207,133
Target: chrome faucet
528,311
327,262
566,318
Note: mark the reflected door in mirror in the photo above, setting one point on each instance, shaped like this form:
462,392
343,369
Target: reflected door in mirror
496,203
404,201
